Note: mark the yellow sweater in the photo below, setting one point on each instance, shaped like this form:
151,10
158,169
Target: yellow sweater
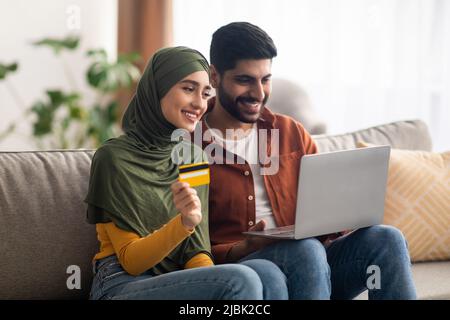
137,254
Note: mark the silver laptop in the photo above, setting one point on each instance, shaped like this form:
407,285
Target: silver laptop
337,191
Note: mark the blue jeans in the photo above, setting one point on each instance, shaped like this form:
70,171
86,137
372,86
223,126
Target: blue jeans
345,268
251,280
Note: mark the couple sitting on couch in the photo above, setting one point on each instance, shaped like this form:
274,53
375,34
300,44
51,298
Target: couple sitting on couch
154,230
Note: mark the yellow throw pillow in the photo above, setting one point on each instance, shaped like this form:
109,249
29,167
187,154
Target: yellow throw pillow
418,201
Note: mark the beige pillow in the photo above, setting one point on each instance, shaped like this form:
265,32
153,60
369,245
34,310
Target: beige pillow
418,201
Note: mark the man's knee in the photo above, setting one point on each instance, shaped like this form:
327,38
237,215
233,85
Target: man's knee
266,268
387,237
309,275
273,279
243,280
310,247
309,252
386,233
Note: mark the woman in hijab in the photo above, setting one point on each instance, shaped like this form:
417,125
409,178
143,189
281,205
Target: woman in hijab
153,229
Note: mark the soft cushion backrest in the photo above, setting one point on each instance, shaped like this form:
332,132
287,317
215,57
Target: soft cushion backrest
43,228
412,135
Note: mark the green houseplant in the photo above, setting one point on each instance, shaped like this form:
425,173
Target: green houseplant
60,119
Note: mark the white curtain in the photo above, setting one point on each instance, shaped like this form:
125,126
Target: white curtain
363,62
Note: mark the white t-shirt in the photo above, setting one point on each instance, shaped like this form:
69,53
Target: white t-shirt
247,148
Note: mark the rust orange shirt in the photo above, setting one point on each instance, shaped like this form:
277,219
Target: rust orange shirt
231,196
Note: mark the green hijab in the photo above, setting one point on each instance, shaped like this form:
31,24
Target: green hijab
131,175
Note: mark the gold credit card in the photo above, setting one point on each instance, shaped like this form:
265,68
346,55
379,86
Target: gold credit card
196,174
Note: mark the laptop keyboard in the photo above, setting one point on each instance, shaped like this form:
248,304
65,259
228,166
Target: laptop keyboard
280,230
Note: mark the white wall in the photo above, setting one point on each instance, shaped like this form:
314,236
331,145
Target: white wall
363,62
23,22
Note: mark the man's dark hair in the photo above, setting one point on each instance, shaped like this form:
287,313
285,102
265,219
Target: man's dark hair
239,41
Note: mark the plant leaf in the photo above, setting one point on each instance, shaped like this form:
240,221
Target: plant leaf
45,111
45,114
103,122
108,77
68,43
98,54
7,68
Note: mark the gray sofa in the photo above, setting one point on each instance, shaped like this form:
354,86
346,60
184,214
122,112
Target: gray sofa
45,237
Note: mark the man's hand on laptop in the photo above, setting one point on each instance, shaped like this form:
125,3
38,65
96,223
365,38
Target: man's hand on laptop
251,243
329,238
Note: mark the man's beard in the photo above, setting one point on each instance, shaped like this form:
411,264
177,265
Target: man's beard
232,107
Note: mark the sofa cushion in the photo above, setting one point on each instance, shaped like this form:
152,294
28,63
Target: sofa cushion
412,134
418,201
43,227
432,280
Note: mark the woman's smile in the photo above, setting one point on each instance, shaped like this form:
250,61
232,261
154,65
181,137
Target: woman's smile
191,116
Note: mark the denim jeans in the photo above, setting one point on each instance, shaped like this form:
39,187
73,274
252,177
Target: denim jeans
251,280
346,267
